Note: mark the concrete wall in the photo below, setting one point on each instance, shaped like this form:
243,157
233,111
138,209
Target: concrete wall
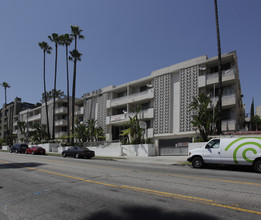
112,150
141,150
117,150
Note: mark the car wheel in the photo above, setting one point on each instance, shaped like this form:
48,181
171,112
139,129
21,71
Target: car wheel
76,156
197,162
64,154
33,153
257,166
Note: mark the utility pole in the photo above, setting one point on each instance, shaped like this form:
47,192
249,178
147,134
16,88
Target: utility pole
219,123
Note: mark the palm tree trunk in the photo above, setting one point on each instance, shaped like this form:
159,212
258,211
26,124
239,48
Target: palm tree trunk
54,92
68,96
219,124
73,97
45,99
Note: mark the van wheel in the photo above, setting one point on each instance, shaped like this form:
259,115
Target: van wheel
257,166
197,162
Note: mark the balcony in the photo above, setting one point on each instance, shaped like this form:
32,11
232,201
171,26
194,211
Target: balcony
227,100
60,134
34,118
228,75
79,111
136,97
61,122
123,118
229,125
61,110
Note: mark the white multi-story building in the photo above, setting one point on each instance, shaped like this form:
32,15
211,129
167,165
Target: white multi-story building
163,97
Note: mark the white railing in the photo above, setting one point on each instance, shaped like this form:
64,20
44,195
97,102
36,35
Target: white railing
61,110
34,117
61,122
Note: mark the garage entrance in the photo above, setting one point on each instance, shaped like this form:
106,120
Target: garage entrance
174,147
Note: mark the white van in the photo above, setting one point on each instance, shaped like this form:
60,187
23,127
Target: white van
234,151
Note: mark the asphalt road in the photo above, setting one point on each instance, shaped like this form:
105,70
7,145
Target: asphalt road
47,187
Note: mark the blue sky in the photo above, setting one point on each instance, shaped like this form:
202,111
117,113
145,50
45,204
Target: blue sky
124,40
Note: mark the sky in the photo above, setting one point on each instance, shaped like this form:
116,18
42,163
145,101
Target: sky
125,40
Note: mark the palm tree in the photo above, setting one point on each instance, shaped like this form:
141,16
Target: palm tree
46,49
75,56
219,130
56,40
202,115
75,33
67,40
5,85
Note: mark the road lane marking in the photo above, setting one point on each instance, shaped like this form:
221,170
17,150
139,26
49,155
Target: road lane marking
149,191
164,174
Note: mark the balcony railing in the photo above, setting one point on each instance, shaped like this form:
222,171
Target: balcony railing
79,111
148,94
227,100
212,78
145,114
61,110
61,122
35,118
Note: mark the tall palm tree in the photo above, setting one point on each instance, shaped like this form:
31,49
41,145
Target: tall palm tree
75,33
46,49
219,124
5,85
56,40
67,40
75,56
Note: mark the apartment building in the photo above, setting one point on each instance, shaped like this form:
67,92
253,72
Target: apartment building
164,98
8,114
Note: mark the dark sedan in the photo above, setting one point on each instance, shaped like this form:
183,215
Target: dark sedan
18,148
78,152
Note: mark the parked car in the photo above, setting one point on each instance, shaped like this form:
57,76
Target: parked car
19,148
35,150
77,152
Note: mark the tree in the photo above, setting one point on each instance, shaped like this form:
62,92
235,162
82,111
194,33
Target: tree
202,115
75,55
39,134
67,40
50,95
81,131
5,85
219,130
56,40
134,132
46,49
22,127
252,114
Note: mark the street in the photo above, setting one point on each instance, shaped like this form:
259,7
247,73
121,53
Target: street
49,187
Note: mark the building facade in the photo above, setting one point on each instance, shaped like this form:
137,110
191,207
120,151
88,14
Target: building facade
163,98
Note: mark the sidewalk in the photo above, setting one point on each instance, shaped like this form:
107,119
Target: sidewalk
163,160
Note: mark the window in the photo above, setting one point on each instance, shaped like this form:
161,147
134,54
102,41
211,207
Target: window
143,88
122,94
225,66
226,114
214,143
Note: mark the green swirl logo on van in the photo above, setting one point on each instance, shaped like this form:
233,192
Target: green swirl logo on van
247,143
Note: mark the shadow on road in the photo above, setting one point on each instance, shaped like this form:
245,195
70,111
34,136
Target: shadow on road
19,165
143,213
